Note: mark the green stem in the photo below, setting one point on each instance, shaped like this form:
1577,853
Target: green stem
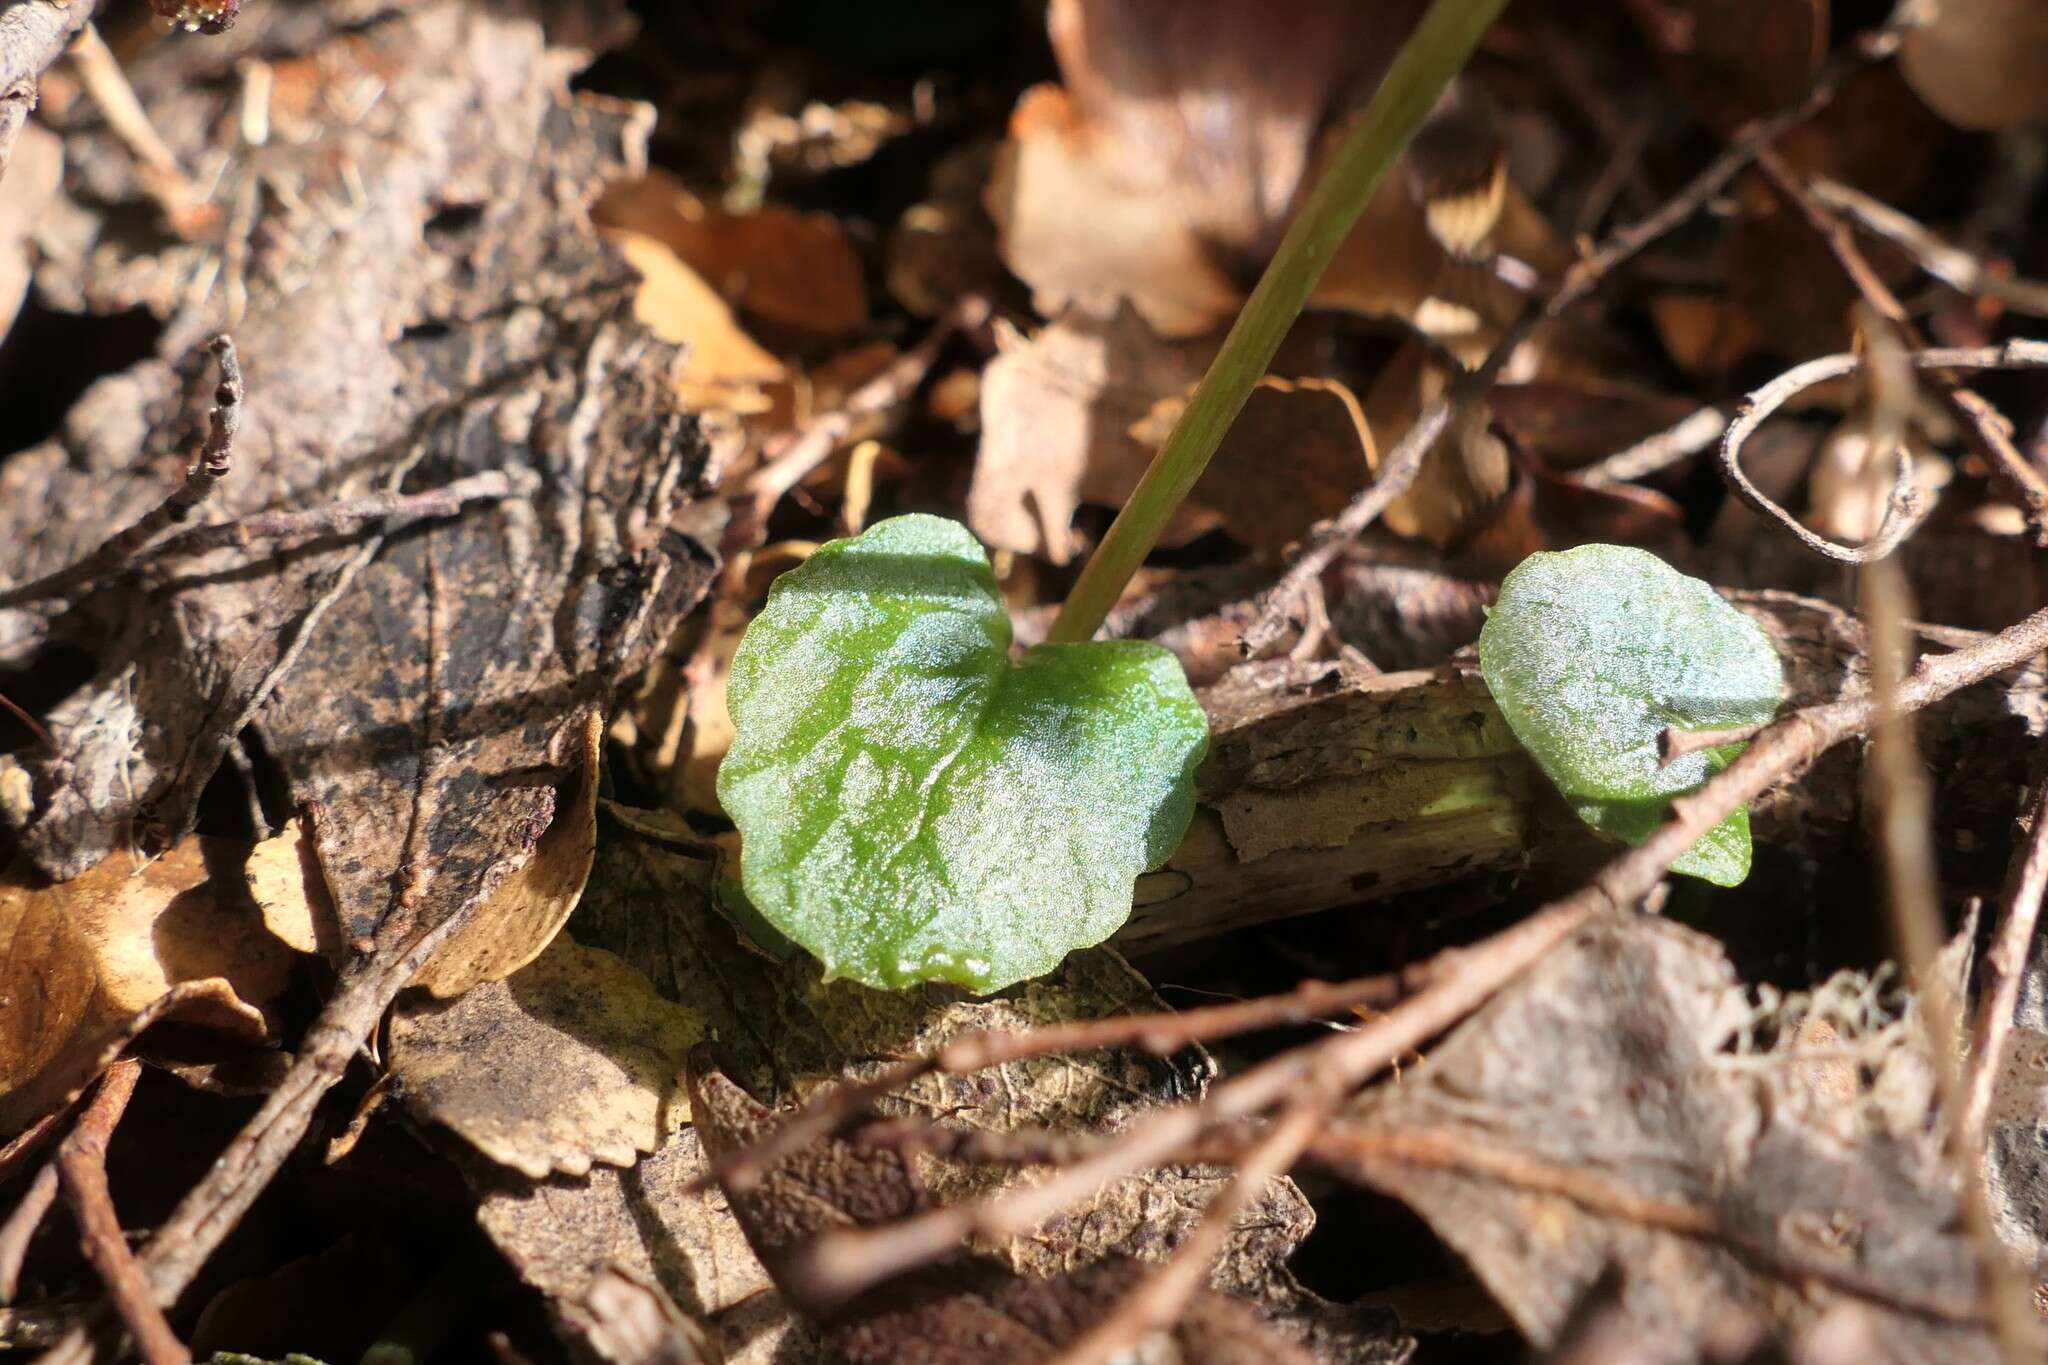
1432,55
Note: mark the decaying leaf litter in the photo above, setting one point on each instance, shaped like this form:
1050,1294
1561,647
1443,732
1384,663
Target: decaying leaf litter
376,972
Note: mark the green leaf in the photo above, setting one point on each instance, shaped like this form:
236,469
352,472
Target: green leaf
912,805
1591,653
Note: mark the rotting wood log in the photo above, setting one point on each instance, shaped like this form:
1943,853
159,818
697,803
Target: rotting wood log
1326,788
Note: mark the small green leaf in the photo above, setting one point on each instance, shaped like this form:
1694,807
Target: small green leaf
1591,653
912,805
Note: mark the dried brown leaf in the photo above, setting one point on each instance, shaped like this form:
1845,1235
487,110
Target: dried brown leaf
82,961
721,366
34,169
571,1061
526,910
1057,412
289,888
1164,171
795,271
1737,59
1464,474
418,686
1615,1108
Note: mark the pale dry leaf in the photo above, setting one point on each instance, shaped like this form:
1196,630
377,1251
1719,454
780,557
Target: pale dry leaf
569,1062
290,890
523,914
1979,63
794,271
81,960
1164,170
722,366
1057,414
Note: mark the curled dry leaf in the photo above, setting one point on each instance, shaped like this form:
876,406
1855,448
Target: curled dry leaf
794,271
571,1060
1620,1106
85,964
290,890
522,915
1978,63
1464,474
721,367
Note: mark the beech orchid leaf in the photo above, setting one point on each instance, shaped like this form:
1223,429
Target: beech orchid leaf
915,806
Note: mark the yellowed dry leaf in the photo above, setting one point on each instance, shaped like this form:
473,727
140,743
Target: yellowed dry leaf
84,964
794,271
1979,63
722,366
33,174
572,1060
529,907
291,892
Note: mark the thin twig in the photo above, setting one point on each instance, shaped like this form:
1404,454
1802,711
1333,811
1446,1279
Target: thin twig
1942,259
1987,432
20,1229
215,459
843,1262
82,1166
1674,744
1899,520
163,179
1157,1303
1904,803
32,38
2005,967
395,512
1653,454
1405,460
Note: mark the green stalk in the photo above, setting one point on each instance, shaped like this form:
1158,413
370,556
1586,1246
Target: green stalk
1432,55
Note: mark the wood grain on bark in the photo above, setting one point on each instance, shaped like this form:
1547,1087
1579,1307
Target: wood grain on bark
1327,788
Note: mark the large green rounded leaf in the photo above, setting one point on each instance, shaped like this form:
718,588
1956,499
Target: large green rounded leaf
912,805
1591,653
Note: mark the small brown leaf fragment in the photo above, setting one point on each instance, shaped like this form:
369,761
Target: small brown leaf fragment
1296,454
572,1060
795,271
82,961
634,1322
523,915
288,887
1737,59
721,366
1465,473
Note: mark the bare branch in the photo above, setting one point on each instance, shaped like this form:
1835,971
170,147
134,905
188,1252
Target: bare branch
33,34
2004,966
1942,259
82,1166
212,464
1904,513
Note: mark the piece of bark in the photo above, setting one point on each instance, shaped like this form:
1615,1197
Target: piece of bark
446,310
1325,788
